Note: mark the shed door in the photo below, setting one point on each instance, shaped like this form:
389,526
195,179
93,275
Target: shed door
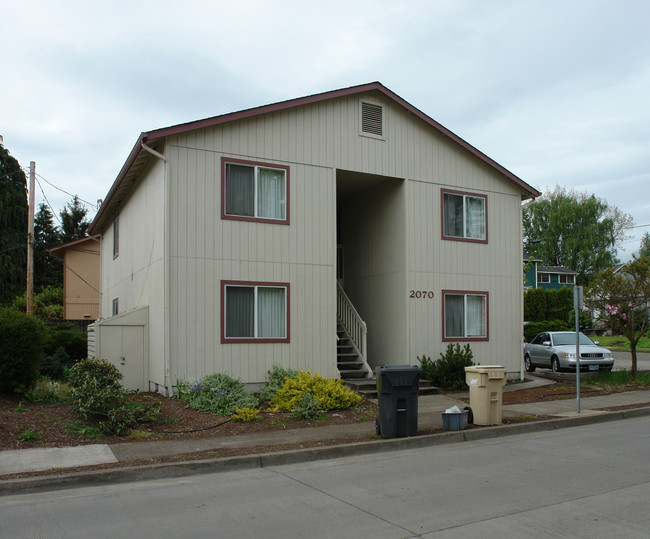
124,347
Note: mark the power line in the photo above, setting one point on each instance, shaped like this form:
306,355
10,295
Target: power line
66,192
48,203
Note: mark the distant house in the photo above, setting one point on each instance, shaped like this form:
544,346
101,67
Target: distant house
335,232
80,278
547,277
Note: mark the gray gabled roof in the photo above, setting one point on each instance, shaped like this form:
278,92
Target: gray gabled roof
556,269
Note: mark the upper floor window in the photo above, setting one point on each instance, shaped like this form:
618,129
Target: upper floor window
464,216
116,307
255,191
116,237
254,312
465,315
543,277
567,279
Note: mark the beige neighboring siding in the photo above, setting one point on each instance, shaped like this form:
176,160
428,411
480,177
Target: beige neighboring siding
136,276
81,280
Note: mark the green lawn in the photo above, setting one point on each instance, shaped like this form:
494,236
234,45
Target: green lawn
620,343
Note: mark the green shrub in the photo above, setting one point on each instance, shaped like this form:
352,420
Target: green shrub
53,366
533,328
96,393
275,378
75,343
48,303
448,372
21,346
218,394
330,393
309,407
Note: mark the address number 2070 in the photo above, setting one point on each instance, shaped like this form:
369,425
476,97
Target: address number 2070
421,294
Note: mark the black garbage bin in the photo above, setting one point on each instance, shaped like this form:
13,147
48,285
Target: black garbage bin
397,391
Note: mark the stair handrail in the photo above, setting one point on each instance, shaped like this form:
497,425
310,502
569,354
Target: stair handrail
353,325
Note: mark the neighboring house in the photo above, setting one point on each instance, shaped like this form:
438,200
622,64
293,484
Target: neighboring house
80,278
547,277
335,232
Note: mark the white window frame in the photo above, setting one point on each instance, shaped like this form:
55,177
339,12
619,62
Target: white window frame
225,285
485,310
566,279
256,178
465,196
543,277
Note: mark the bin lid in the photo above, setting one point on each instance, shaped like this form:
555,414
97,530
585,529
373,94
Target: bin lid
493,371
398,375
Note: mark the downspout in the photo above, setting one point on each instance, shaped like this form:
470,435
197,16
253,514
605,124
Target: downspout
166,227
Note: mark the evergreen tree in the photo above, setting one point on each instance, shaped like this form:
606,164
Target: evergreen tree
74,224
13,228
48,269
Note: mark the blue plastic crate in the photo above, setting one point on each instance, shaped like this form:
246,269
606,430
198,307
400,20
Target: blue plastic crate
456,421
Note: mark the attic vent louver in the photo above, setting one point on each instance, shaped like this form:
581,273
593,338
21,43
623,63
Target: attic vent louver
371,119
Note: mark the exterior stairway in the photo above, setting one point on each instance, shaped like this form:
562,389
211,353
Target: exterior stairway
348,359
367,387
351,342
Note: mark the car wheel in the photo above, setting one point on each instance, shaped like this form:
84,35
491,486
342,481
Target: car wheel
529,366
555,364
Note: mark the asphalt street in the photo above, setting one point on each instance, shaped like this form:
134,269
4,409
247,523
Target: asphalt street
588,481
623,361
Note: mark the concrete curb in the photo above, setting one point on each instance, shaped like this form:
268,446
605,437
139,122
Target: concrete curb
246,462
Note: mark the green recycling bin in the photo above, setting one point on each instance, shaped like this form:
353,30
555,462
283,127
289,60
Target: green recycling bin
397,391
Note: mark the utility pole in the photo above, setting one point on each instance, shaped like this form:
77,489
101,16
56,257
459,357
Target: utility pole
30,240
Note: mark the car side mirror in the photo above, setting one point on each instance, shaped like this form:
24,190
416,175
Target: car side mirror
596,342
546,343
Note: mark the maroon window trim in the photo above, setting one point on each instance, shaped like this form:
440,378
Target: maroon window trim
487,315
442,215
230,340
224,215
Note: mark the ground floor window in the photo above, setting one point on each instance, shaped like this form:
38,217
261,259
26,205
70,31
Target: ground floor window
254,312
465,315
543,278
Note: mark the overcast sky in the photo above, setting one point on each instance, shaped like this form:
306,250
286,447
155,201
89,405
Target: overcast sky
557,91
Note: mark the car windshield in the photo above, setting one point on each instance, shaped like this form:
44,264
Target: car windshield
563,339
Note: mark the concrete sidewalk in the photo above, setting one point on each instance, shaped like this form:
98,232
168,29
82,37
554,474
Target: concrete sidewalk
430,409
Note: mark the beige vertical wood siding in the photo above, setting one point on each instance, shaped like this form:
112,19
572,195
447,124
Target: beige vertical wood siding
136,276
405,252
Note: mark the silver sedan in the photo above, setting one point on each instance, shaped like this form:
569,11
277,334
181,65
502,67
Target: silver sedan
556,350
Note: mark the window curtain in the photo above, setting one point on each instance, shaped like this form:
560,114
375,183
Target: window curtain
271,315
475,316
271,194
453,215
475,226
240,308
240,190
454,316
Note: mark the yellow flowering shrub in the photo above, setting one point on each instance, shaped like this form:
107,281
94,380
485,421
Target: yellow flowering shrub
331,393
246,415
